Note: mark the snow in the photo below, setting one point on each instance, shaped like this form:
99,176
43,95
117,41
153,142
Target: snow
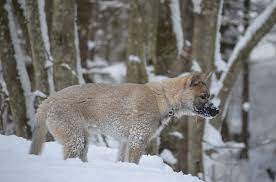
65,65
215,88
46,42
111,4
91,45
168,157
246,106
195,66
22,4
78,58
17,165
220,64
212,135
38,93
116,73
20,65
176,134
133,58
265,51
48,64
152,76
97,62
3,85
197,6
177,25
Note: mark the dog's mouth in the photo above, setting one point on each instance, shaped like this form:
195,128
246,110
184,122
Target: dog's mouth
207,111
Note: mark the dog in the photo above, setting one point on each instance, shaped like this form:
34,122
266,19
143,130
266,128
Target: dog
131,113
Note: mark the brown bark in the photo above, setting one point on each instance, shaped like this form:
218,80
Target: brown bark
39,53
245,92
203,49
63,47
136,71
168,61
16,97
178,146
87,21
166,42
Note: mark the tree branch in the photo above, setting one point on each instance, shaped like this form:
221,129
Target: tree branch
254,33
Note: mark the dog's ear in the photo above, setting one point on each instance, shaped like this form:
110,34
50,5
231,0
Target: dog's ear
194,79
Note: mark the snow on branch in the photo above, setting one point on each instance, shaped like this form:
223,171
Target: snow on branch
46,42
257,29
177,25
23,6
78,58
197,6
219,62
20,65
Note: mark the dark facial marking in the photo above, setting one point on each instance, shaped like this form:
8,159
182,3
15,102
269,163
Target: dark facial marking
202,104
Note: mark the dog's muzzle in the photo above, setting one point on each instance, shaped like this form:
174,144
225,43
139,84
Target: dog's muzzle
211,109
207,111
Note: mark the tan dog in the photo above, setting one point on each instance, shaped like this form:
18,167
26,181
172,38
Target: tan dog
131,113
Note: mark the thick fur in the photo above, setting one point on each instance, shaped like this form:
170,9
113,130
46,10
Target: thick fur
131,113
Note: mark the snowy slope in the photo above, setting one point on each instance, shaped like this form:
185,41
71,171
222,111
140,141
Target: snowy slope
16,165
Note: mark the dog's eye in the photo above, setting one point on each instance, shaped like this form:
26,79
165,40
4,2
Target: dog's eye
203,97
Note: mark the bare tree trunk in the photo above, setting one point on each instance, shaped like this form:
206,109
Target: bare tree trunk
39,53
87,21
245,92
203,51
136,54
174,137
63,47
16,96
152,10
166,42
49,15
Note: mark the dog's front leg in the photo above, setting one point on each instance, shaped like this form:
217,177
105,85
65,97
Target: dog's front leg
136,150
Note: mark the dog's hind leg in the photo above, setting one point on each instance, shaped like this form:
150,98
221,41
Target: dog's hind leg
84,151
76,146
123,152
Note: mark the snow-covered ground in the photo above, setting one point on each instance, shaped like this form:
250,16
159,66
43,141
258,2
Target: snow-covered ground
17,165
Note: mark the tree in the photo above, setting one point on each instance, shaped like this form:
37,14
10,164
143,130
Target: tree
174,58
16,95
63,43
253,34
203,53
136,46
87,21
40,47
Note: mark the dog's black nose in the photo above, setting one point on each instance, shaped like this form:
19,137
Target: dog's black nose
214,112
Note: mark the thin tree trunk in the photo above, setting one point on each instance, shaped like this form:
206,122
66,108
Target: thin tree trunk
152,10
16,96
173,64
245,92
203,52
166,42
63,46
39,53
136,59
87,21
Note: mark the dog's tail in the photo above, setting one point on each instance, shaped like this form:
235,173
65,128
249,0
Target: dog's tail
40,130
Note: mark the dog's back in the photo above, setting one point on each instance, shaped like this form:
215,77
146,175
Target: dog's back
73,112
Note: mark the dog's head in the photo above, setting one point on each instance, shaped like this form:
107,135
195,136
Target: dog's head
194,97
